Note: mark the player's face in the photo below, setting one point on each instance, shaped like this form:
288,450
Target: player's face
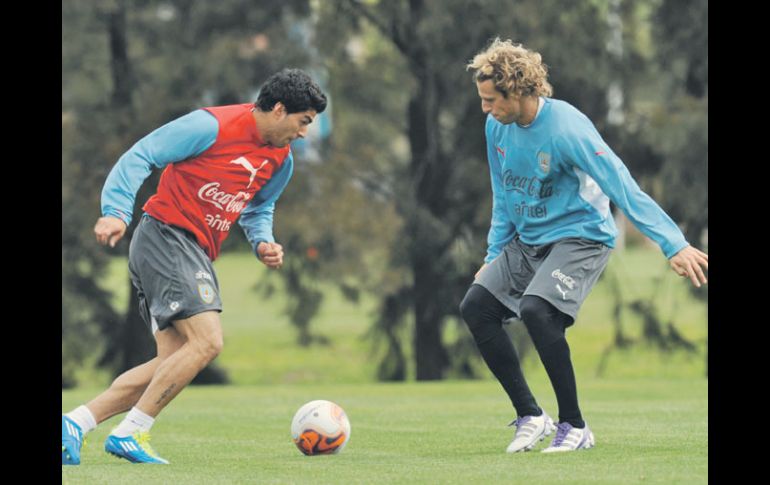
290,127
506,110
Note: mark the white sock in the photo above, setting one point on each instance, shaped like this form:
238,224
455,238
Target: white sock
83,418
134,421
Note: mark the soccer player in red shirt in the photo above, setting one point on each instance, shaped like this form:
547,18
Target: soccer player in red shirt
220,165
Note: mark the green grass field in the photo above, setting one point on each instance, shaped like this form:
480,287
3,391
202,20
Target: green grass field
260,345
649,411
647,431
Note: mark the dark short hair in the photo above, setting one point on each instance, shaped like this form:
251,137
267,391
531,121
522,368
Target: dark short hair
294,89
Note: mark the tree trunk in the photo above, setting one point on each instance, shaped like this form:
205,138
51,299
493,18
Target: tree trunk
426,235
120,66
136,344
131,344
430,354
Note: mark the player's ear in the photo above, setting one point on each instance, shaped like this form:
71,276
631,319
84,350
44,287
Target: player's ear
279,109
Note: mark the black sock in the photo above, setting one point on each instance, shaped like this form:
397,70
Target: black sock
546,326
558,365
501,358
484,315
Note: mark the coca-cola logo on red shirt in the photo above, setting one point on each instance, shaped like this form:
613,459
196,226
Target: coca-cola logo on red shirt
222,200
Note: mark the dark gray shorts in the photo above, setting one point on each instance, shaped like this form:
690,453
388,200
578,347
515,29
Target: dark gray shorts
562,273
172,273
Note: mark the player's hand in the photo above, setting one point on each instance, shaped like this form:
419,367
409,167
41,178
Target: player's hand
480,270
271,254
109,230
688,262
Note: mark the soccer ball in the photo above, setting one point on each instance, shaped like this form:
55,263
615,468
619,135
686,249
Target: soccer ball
320,428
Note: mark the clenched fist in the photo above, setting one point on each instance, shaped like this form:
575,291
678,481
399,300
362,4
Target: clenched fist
109,230
271,254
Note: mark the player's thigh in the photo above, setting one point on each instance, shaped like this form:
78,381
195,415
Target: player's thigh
569,272
202,328
168,341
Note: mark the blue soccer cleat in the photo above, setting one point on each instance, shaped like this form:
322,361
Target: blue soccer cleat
135,448
71,441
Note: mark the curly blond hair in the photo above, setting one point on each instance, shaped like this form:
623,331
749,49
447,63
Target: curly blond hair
513,69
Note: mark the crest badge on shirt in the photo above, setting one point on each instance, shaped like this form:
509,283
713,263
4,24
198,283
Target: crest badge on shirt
544,160
206,292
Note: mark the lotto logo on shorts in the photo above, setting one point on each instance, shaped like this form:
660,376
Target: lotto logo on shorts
206,292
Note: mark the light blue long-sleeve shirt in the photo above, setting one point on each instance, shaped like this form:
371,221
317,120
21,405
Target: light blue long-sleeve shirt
555,178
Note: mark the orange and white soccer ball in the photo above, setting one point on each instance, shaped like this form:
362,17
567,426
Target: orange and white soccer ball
320,428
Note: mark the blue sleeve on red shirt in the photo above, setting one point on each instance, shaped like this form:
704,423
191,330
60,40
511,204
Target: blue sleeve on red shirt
257,218
178,140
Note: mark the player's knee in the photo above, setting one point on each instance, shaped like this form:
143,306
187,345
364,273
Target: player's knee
544,322
215,346
476,314
471,310
532,309
209,347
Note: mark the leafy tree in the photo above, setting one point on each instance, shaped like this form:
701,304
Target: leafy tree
664,139
439,187
127,68
398,202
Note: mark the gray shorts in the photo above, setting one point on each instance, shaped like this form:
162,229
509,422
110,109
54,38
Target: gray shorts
562,273
172,274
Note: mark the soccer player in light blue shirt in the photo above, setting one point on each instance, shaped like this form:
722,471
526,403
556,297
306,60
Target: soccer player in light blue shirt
551,234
